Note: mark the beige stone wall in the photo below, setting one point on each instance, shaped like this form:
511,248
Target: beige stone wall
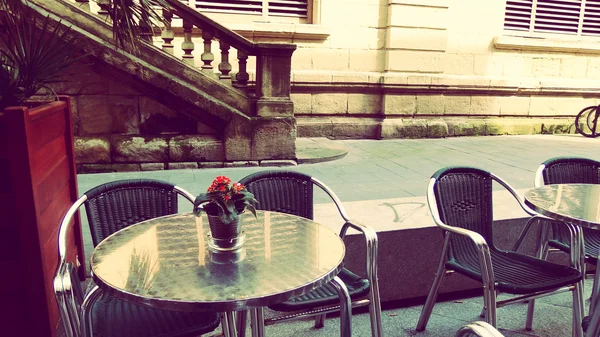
118,128
374,60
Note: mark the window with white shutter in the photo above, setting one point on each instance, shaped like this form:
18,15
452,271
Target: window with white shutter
572,17
265,8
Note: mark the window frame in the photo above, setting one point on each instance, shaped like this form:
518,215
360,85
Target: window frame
312,15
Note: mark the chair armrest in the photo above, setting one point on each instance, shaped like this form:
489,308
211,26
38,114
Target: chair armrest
370,236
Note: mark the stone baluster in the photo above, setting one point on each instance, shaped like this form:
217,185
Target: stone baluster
167,33
242,76
104,11
85,4
224,66
187,45
207,56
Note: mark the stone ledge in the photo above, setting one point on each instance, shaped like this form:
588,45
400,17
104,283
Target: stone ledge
392,128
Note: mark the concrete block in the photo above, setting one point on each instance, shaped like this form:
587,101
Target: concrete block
302,103
278,163
90,150
419,79
364,104
484,105
330,104
347,37
182,166
542,67
210,164
399,105
302,59
108,114
240,163
355,128
403,128
459,64
593,68
518,66
565,106
416,61
314,127
274,138
514,105
139,149
542,106
558,126
330,59
320,76
506,126
195,149
430,105
409,15
346,77
437,128
417,38
457,105
466,127
152,166
107,168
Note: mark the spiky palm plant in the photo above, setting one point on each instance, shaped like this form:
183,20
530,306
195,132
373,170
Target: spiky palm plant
132,19
34,52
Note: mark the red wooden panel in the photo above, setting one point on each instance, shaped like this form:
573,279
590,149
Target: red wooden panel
44,160
53,182
45,125
50,219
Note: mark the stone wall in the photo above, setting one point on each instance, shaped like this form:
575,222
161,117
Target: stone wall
117,128
385,68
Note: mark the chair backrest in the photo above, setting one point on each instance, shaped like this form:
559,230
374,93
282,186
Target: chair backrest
119,204
568,170
282,191
464,199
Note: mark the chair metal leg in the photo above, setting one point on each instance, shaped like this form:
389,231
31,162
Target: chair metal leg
257,320
595,287
576,249
375,311
435,287
541,252
593,329
319,321
228,324
345,307
241,318
86,308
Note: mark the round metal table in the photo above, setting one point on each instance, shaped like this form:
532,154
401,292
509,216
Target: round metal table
575,204
165,263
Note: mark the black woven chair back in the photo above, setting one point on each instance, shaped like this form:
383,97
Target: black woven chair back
119,204
464,199
282,191
571,170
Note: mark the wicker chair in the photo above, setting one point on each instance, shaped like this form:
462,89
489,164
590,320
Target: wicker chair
478,329
566,170
460,201
292,193
111,207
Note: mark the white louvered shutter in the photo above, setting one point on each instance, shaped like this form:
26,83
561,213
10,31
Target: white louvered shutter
295,8
230,6
572,17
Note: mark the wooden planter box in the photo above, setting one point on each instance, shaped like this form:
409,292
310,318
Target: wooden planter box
38,184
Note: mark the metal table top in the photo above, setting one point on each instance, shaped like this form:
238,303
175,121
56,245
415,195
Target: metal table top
165,262
578,204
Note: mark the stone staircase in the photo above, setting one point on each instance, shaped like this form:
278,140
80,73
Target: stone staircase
249,113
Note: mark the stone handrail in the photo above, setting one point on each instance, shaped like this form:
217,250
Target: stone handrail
273,60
